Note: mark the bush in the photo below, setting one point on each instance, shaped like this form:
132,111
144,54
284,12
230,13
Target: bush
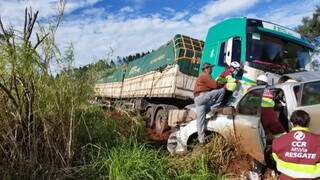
208,162
131,160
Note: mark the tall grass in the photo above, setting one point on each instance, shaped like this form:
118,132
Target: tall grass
131,160
128,155
40,112
207,162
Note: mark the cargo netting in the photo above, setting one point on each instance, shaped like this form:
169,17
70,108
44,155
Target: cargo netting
188,52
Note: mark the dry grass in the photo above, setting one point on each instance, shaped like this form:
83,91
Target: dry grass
211,161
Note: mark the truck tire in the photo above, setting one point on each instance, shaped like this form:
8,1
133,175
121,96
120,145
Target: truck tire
148,115
161,121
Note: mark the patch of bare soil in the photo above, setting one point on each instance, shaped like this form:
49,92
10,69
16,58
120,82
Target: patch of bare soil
239,166
242,164
161,138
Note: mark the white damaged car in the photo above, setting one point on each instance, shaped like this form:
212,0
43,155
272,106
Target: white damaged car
241,120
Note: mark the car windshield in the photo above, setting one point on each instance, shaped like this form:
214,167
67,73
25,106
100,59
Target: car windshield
277,55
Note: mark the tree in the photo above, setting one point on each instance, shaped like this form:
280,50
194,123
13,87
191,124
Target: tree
112,64
119,60
311,26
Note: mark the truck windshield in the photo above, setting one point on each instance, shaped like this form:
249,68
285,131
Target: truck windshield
276,55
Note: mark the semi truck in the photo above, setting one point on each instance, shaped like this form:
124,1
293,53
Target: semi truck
164,79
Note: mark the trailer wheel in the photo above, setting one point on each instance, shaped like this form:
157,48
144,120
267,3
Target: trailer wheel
148,116
161,121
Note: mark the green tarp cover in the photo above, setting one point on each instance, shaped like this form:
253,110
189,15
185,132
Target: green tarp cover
158,60
116,76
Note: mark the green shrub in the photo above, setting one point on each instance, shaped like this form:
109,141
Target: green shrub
127,160
133,161
208,162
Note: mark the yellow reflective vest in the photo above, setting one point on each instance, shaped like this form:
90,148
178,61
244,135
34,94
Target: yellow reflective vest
297,153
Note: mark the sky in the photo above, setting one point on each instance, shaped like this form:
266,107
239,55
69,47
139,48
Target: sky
110,28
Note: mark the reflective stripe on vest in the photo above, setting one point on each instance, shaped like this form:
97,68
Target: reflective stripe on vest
299,128
231,83
222,80
231,86
267,102
297,170
267,99
245,86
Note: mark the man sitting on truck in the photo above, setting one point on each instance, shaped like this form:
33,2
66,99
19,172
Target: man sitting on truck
228,79
208,95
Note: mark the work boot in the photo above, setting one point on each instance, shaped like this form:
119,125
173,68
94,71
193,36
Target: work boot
258,169
210,114
253,175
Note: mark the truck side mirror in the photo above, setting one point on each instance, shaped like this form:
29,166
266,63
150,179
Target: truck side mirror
229,111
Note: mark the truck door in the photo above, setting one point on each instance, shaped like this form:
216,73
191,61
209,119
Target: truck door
248,127
233,50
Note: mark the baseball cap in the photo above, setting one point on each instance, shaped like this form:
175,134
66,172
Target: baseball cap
206,65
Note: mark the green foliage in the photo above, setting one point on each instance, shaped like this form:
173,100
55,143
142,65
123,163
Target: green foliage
311,26
40,113
134,57
131,160
124,153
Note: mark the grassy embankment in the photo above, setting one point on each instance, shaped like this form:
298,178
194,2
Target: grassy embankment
119,149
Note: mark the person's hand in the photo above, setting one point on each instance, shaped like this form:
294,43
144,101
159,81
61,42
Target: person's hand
220,84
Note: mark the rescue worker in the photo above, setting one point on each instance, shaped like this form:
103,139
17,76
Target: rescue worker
259,169
269,117
297,153
273,120
208,96
262,80
228,79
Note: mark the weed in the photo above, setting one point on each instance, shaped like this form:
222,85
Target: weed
207,162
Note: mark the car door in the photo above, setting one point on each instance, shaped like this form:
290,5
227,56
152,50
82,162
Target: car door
248,127
309,100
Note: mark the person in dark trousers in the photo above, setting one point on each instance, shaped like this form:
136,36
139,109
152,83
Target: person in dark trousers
269,116
297,153
270,121
207,96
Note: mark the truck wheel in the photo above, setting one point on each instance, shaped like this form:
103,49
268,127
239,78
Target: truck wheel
161,121
147,116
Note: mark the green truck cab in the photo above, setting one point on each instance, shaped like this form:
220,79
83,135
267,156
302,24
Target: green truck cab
260,46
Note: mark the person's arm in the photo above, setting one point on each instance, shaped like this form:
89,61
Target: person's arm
212,84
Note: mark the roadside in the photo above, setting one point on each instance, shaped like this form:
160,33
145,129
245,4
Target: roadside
132,155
